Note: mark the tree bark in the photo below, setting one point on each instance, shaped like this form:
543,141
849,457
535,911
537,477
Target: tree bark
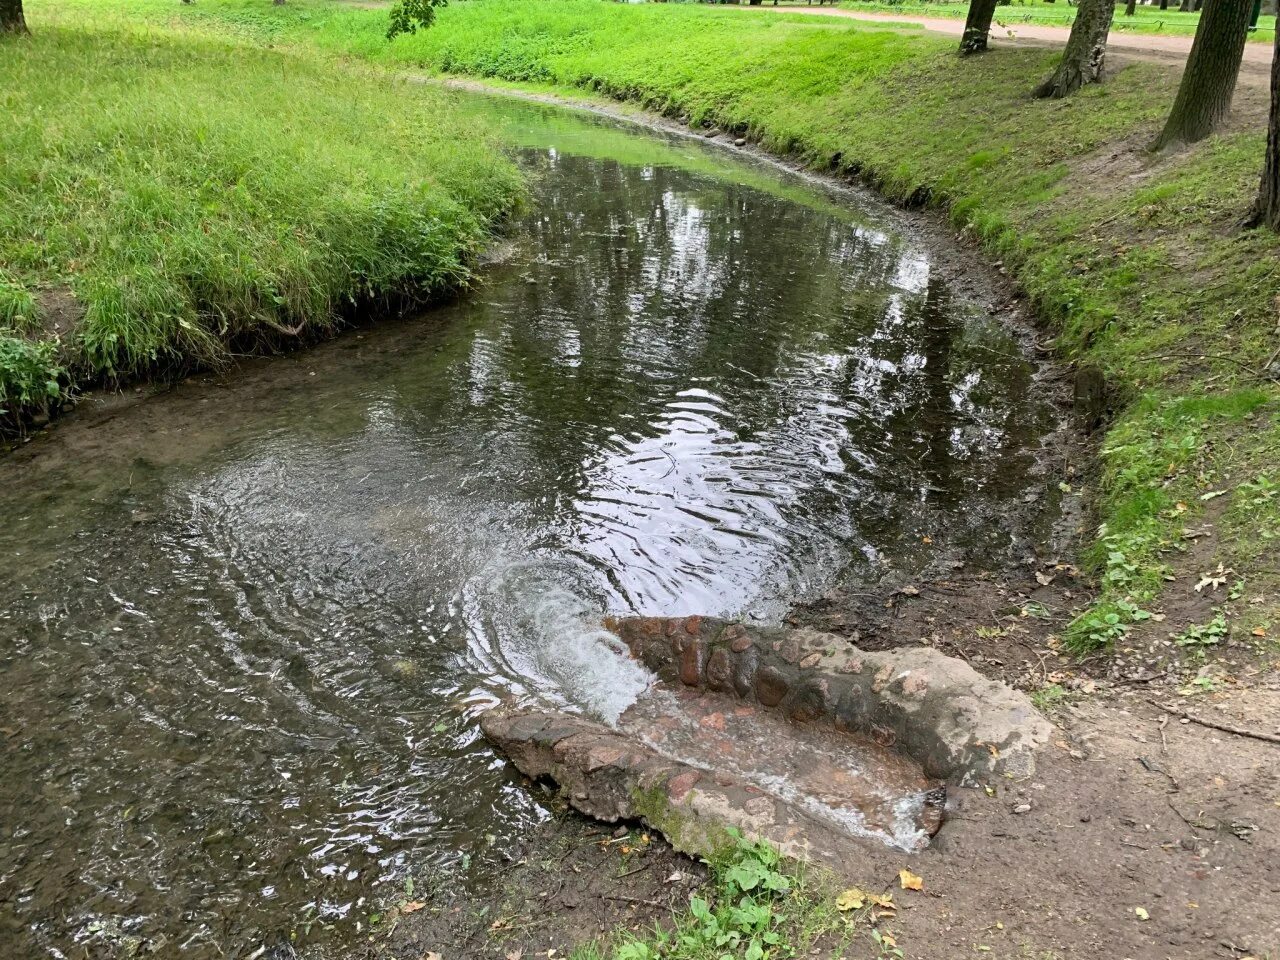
1209,81
1086,50
11,18
1266,209
1164,4
1131,8
1184,6
977,26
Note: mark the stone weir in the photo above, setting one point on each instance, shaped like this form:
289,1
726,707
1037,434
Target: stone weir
792,736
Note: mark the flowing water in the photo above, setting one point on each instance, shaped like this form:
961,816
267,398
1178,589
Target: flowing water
246,626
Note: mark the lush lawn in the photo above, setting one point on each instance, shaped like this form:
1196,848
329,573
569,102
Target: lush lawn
167,197
1146,19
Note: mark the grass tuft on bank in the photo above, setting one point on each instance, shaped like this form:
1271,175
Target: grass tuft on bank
169,197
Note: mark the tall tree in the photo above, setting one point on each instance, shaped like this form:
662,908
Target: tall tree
1209,81
977,26
11,19
1086,49
1266,209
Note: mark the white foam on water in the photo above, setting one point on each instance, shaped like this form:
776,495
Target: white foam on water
535,634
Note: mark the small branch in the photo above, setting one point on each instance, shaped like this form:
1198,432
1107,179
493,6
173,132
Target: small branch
637,900
1214,725
1259,374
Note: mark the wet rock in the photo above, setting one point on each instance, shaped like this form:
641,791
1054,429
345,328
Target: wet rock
771,686
613,775
692,660
810,701
719,670
744,671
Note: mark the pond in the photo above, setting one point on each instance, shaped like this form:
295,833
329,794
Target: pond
246,626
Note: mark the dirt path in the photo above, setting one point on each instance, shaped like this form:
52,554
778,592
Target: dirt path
1159,48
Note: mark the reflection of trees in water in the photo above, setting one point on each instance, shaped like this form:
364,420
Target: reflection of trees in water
832,346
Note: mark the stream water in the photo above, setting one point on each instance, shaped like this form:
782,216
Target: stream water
246,625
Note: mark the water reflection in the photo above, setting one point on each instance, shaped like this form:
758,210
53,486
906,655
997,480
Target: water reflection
246,627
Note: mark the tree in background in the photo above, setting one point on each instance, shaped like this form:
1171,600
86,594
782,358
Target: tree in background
1209,80
1266,209
408,15
1086,49
11,19
977,26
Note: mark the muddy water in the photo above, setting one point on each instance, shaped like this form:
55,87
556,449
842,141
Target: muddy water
245,627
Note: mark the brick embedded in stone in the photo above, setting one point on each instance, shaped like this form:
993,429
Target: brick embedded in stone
691,662
744,671
771,686
719,670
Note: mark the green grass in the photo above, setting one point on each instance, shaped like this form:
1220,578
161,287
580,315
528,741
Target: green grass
198,195
1151,20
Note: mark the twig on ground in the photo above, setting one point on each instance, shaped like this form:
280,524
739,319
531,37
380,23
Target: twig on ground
636,900
1214,725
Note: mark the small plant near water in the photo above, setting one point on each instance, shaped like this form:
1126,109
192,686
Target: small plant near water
30,377
1205,634
1103,625
1049,696
756,909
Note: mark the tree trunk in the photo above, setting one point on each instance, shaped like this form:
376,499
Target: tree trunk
1266,209
1208,82
1086,50
1164,4
11,19
977,26
1184,6
1131,8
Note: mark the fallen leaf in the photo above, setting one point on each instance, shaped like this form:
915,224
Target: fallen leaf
887,940
883,901
1259,631
851,899
910,881
1142,913
431,955
515,955
413,906
1042,579
1212,494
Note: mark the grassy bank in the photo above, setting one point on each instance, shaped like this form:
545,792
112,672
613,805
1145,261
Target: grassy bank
168,197
1135,260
